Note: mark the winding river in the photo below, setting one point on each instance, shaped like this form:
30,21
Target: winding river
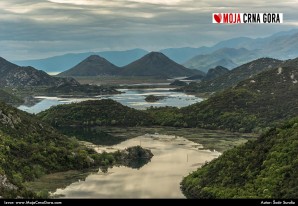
174,157
134,98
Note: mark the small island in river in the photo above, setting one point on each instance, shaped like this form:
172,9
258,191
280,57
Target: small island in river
153,98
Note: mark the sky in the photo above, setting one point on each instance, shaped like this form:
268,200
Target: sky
32,29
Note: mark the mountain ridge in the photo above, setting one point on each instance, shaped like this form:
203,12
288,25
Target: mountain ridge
234,76
64,62
270,46
13,75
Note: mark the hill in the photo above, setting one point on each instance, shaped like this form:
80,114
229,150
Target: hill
216,72
226,57
264,168
15,76
234,76
259,101
30,149
254,104
79,90
104,112
156,64
92,66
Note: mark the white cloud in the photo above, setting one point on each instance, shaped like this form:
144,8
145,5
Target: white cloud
75,2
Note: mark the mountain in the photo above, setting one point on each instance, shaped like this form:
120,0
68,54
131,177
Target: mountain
181,55
257,102
156,64
281,45
216,72
94,65
261,101
64,62
260,169
234,76
15,76
226,57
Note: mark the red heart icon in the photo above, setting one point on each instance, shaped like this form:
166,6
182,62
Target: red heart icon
217,17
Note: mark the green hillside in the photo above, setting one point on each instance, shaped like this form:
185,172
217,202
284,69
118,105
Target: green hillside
257,102
264,168
30,149
9,99
104,112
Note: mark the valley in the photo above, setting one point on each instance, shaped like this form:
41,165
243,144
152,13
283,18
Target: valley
184,149
120,130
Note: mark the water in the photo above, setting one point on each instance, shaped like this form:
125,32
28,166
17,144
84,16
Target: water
174,157
134,98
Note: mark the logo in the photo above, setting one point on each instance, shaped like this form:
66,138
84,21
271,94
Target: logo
217,18
247,18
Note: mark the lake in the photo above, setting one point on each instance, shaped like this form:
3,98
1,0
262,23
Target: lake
134,98
174,157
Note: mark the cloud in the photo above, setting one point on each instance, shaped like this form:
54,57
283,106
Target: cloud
45,27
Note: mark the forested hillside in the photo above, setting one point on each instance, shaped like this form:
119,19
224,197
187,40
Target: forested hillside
264,168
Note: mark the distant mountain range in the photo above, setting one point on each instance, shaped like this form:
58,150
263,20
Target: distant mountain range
282,45
15,76
153,64
226,57
234,76
252,104
64,62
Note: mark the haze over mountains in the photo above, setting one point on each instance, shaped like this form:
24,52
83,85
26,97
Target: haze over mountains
67,61
153,64
282,45
226,57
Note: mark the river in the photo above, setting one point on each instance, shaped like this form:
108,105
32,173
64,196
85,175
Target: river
174,157
134,98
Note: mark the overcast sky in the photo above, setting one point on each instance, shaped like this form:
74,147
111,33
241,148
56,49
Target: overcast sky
32,29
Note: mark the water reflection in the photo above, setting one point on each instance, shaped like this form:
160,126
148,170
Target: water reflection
174,157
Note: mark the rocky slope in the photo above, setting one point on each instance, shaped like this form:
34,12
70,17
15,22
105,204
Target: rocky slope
12,75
